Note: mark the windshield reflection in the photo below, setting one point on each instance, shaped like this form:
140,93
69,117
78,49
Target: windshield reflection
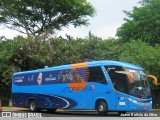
140,88
137,85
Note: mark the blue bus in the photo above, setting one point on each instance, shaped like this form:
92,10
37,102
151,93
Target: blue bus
98,85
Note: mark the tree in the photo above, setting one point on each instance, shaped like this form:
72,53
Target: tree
142,23
111,49
34,17
142,54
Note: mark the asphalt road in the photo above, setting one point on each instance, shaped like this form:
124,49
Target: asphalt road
76,115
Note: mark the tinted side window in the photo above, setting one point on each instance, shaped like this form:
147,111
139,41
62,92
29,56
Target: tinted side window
73,75
96,75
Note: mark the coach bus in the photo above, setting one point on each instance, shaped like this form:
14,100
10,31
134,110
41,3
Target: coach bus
99,85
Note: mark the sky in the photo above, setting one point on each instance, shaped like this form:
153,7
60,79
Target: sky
109,16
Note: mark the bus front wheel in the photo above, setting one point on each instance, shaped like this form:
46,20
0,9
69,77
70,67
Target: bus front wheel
102,108
32,106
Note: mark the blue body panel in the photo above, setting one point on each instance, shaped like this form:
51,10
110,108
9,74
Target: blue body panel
49,93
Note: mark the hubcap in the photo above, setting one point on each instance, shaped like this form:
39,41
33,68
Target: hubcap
32,106
101,108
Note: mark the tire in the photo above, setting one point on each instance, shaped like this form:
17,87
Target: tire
102,108
32,106
51,110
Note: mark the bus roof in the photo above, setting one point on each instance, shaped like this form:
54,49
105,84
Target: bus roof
90,64
123,64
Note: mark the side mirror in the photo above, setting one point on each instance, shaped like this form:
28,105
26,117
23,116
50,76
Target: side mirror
130,75
154,78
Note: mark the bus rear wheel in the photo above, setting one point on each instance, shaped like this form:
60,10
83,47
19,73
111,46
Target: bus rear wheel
32,106
102,108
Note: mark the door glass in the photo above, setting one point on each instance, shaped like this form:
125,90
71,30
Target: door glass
119,81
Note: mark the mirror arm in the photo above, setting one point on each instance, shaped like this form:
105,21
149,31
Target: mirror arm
154,78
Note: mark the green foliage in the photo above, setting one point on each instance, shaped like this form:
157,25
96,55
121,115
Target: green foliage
28,54
142,54
111,49
21,54
34,17
18,52
5,75
142,23
5,83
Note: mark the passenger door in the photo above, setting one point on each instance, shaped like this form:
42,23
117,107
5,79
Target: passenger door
120,84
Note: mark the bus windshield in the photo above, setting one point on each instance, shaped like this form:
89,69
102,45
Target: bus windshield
140,87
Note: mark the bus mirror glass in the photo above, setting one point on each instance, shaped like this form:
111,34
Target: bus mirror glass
130,75
153,78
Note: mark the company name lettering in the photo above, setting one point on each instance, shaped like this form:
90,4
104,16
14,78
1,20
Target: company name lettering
50,79
79,88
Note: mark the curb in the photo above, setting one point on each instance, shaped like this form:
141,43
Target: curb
12,108
155,109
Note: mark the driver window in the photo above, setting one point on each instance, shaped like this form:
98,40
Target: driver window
119,80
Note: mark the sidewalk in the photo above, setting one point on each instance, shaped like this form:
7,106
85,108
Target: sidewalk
155,109
12,108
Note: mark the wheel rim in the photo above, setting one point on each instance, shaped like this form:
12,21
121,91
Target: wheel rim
32,106
101,108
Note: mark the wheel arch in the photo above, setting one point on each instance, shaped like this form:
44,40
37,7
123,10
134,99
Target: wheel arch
31,99
100,99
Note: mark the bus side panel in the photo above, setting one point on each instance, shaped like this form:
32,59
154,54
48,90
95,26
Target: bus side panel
102,92
42,101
